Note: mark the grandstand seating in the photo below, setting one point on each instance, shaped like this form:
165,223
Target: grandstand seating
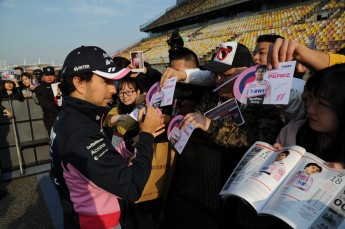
298,22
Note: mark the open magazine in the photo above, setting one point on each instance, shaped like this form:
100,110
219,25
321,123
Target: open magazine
290,184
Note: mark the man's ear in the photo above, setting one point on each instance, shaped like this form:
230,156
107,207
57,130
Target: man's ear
79,84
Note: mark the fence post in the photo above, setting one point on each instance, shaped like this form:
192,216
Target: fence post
16,139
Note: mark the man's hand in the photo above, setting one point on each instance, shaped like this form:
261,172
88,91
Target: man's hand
149,119
281,51
278,146
169,73
286,50
160,130
15,81
335,165
8,113
197,119
116,118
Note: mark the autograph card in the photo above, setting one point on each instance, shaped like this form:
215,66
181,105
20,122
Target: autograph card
159,97
137,61
135,112
179,137
228,110
257,85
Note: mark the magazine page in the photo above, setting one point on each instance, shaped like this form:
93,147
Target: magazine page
177,136
312,196
228,110
260,172
159,97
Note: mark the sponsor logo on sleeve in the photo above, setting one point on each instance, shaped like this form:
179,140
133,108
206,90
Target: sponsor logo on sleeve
97,148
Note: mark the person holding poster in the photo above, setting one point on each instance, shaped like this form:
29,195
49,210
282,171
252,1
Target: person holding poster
258,91
262,122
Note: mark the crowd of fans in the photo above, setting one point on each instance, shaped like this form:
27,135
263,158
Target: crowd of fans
319,114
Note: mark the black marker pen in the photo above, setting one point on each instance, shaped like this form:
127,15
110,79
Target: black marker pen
144,115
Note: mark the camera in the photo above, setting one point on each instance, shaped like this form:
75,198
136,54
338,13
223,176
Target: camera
175,41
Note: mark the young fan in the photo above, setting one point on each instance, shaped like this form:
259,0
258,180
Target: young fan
322,133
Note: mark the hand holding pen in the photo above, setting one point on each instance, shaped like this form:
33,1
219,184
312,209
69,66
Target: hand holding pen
150,120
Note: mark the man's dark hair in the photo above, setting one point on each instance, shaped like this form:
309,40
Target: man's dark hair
175,41
268,38
341,51
187,55
286,152
67,86
313,164
19,68
120,61
263,66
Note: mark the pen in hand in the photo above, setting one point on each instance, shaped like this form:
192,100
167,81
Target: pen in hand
144,115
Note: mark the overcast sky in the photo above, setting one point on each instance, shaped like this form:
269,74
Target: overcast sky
48,30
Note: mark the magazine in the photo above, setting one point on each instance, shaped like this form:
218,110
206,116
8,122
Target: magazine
290,184
179,136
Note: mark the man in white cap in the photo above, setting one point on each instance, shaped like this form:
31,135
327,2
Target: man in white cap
89,173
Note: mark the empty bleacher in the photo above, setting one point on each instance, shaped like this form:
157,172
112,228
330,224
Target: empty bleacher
299,22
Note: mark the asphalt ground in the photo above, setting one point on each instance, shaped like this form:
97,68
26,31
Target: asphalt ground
30,202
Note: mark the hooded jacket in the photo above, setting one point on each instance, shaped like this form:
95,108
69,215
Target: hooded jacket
89,173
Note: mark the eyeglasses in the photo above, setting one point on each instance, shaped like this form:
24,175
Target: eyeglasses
128,93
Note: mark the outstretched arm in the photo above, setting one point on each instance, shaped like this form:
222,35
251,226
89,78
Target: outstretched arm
286,50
